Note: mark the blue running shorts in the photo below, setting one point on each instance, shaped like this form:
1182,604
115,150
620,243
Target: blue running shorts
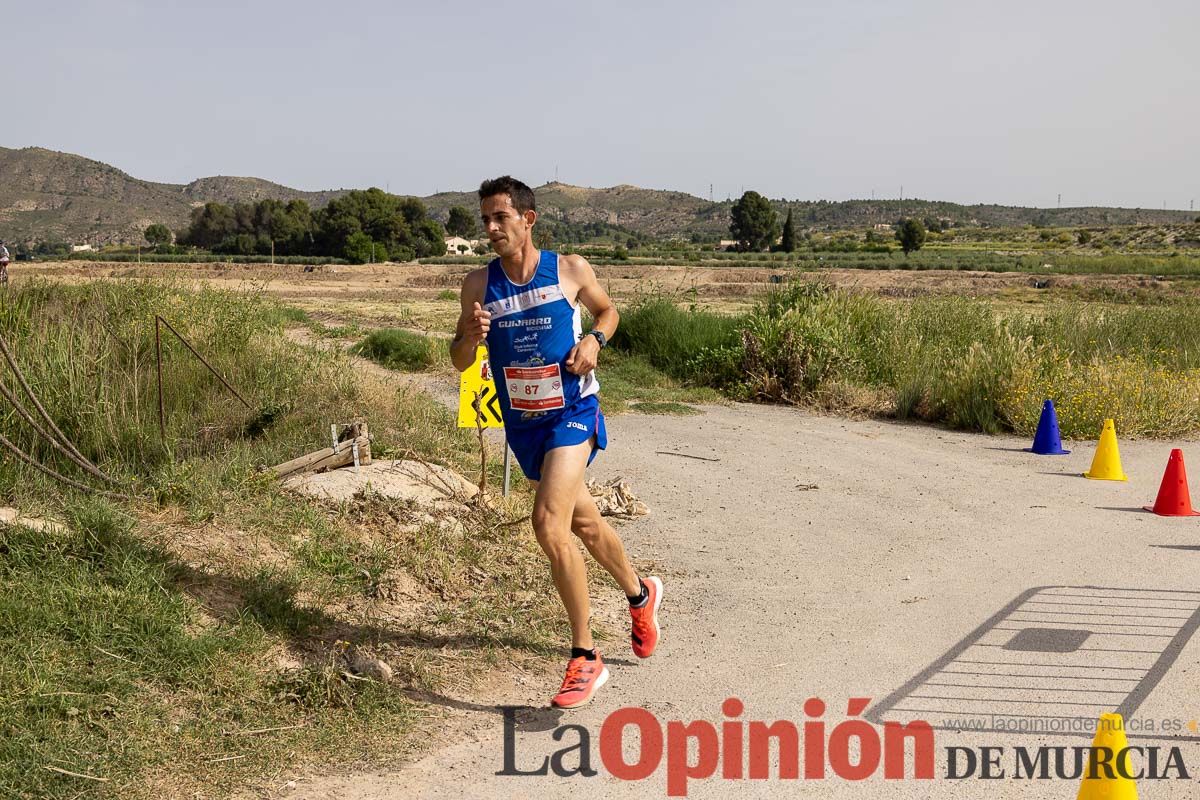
574,425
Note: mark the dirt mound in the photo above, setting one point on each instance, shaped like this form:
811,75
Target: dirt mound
398,479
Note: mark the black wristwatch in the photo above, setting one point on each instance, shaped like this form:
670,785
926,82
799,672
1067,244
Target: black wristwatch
600,337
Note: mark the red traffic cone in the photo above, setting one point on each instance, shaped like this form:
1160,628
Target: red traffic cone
1173,498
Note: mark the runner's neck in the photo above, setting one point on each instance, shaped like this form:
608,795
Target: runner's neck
521,268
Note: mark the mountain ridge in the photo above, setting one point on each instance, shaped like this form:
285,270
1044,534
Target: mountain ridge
49,195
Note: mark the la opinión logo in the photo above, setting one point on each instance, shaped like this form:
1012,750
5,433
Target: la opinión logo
737,748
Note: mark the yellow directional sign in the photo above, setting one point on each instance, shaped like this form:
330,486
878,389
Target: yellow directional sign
477,382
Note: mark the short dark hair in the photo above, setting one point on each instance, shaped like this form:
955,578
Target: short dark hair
522,195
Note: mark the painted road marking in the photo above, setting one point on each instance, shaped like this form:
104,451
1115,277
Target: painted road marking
1055,653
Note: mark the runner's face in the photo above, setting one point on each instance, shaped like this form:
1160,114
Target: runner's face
506,228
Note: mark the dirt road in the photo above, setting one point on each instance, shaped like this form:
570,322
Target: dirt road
822,557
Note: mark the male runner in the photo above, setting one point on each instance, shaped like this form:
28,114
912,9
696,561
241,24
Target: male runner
525,305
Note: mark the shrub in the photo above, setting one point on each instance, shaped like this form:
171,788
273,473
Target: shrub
966,363
397,349
679,342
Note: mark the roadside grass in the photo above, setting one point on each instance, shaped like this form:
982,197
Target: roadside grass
145,642
351,330
630,382
971,364
401,350
672,340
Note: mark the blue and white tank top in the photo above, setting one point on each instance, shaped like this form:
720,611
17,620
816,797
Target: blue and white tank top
533,330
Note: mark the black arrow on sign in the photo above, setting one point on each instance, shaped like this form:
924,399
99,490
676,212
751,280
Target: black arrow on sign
494,406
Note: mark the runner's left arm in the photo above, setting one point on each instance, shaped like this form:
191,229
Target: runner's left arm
582,358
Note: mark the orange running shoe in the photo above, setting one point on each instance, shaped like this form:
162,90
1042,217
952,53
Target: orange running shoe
645,620
582,680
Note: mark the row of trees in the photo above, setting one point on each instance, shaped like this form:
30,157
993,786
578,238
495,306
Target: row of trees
359,226
755,226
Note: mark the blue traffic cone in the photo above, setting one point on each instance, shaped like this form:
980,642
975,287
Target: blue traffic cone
1047,442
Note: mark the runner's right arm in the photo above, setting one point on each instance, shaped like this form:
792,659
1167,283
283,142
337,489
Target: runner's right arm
473,321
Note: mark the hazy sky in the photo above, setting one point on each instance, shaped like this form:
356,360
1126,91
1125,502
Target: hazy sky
1009,102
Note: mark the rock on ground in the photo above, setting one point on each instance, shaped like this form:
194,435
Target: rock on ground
11,516
616,499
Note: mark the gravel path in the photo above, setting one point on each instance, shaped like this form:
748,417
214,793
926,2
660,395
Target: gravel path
819,556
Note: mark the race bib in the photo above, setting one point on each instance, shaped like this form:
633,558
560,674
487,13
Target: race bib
534,388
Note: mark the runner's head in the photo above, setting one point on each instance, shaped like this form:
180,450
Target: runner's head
508,211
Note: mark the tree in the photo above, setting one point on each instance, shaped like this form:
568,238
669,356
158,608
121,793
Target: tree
401,225
253,228
360,249
289,227
911,235
429,238
158,234
543,237
788,245
461,222
753,222
210,225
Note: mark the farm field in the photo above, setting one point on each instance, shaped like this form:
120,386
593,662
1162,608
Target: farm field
380,294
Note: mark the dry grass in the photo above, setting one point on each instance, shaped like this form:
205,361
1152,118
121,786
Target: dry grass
217,603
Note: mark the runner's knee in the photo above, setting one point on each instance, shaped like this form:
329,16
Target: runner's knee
587,529
551,520
555,544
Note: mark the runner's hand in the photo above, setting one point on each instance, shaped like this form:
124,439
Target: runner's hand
479,324
582,358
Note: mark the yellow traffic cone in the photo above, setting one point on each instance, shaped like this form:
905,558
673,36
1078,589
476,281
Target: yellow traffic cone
1110,734
1106,464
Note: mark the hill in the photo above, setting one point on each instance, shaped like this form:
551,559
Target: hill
665,213
230,190
652,211
47,195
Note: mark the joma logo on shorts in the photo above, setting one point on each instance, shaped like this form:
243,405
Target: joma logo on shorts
577,426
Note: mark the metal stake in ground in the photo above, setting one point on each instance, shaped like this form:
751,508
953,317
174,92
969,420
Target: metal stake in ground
507,453
158,319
